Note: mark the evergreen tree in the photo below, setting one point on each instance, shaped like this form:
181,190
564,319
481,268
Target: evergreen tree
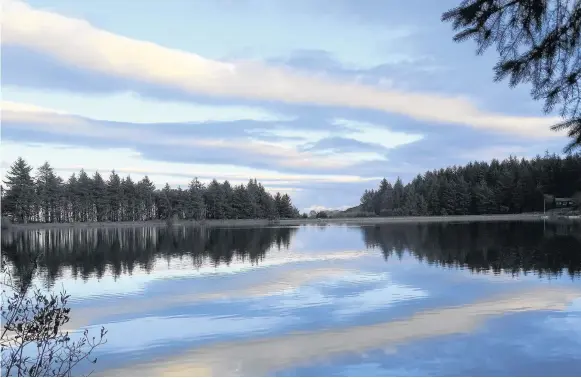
265,204
241,203
227,193
102,203
115,196
410,202
214,199
82,198
510,186
483,198
47,191
448,198
196,208
422,207
463,197
278,203
285,208
398,192
128,195
73,201
19,195
538,43
84,190
146,193
253,193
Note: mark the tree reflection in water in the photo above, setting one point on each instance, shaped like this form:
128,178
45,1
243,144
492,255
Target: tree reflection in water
516,247
92,252
513,247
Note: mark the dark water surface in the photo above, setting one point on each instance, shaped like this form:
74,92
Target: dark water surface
501,299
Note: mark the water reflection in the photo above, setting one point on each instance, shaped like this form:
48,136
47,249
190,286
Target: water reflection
498,247
297,301
507,246
264,355
91,252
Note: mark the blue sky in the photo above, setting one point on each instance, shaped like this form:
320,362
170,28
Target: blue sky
318,99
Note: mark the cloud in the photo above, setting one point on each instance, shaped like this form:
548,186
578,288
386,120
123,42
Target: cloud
132,108
130,162
309,347
30,117
369,133
347,137
318,166
281,282
287,147
80,44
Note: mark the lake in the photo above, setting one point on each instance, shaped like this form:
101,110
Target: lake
492,299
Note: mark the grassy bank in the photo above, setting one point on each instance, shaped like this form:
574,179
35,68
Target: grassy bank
284,222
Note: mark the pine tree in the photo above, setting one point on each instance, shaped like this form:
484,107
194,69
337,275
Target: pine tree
227,192
47,191
241,203
100,195
73,201
463,198
422,207
84,190
146,191
510,186
196,208
410,202
286,209
214,199
398,191
386,194
128,195
538,44
253,193
114,193
447,198
19,195
484,198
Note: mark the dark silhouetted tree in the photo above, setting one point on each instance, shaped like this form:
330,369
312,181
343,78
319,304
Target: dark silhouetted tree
19,196
47,198
509,186
539,42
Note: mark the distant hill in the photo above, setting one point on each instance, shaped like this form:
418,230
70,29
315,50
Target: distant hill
352,210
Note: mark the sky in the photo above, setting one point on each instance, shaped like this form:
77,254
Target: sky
319,99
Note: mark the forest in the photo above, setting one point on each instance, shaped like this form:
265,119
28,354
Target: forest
43,196
498,187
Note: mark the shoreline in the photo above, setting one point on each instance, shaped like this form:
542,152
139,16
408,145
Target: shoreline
287,222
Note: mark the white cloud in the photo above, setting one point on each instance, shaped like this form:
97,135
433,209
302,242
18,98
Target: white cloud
127,161
78,43
359,131
366,132
32,117
132,108
18,107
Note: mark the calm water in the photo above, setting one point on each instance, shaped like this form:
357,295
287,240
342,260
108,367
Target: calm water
433,299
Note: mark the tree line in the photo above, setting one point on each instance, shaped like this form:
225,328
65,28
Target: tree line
43,196
498,187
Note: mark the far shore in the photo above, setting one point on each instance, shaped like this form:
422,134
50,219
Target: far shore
287,222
